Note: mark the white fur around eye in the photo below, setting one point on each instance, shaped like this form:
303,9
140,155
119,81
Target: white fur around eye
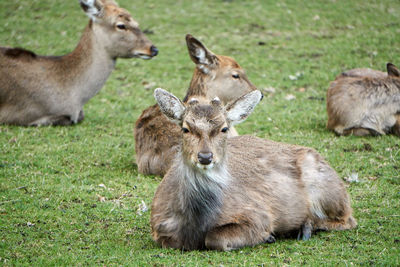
121,26
193,100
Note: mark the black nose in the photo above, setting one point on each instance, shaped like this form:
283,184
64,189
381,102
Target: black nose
205,158
154,51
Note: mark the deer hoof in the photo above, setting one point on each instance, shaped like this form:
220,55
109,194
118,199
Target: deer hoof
270,239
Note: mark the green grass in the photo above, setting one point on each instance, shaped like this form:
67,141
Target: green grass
53,210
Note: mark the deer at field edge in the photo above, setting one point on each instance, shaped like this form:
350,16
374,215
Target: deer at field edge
51,90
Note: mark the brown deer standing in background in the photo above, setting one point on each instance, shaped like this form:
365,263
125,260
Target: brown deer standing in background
156,138
225,193
365,102
51,90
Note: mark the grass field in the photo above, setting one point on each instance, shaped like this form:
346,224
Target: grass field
70,195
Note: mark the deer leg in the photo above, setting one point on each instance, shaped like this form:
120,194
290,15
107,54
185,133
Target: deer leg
305,231
342,224
65,120
44,121
396,126
361,132
61,120
338,130
81,116
170,243
233,236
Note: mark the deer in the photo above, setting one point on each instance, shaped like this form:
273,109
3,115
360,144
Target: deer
156,138
226,193
365,103
51,90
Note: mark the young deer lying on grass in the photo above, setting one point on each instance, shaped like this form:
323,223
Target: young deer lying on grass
51,90
156,137
225,193
365,102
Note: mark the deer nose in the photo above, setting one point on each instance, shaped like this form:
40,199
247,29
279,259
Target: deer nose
154,51
205,158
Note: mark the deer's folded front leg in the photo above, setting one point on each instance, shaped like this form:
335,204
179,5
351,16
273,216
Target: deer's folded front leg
234,236
396,127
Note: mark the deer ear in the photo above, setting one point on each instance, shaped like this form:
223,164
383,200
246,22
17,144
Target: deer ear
200,55
92,8
239,110
169,105
392,70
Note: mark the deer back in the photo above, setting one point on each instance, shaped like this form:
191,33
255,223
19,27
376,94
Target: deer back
364,72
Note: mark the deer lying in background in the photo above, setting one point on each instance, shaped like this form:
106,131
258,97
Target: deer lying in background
365,103
156,138
51,90
225,193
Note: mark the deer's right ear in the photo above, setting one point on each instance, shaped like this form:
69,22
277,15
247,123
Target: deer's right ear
392,70
170,105
92,8
200,55
239,110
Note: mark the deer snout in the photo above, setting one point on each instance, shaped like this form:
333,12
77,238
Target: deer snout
153,51
205,158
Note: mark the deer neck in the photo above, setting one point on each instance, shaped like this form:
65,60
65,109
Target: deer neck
199,201
197,85
88,66
396,85
202,190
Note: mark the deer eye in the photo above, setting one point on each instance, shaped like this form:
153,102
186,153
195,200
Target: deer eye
225,129
121,26
235,76
185,130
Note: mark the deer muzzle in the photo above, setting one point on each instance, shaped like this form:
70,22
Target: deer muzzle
205,158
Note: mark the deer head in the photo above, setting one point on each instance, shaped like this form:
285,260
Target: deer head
221,75
205,124
118,32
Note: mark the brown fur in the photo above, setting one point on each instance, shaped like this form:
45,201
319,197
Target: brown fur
51,90
364,105
156,138
364,72
19,53
253,190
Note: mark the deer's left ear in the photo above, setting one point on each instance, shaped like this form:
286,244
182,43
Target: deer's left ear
239,110
200,55
92,8
392,70
169,105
